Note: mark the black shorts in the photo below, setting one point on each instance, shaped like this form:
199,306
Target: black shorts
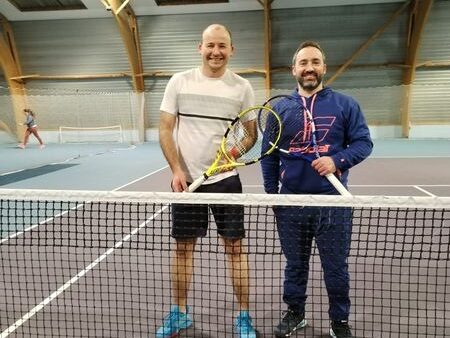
191,220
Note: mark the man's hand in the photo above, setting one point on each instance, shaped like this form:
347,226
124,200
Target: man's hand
234,153
179,182
324,165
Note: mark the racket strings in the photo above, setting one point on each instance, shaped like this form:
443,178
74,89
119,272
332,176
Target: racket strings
299,138
298,129
237,141
244,142
269,127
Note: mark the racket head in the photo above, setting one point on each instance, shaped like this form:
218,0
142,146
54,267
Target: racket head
242,143
298,137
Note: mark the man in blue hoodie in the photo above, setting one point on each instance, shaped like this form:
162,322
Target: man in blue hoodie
344,142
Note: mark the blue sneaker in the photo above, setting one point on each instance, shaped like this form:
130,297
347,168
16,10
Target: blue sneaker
244,326
174,322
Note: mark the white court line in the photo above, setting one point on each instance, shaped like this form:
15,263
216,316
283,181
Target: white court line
80,274
52,163
16,234
424,191
140,178
372,185
399,185
69,159
89,267
418,187
75,278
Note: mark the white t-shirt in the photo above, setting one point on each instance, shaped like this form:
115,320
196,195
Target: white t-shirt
204,106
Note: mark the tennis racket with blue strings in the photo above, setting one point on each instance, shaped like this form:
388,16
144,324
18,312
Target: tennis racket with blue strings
305,142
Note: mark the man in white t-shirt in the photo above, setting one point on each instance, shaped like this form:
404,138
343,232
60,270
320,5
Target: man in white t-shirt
197,107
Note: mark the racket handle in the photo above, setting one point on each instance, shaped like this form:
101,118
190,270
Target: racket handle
338,185
198,182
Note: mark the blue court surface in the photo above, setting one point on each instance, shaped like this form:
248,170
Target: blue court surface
396,167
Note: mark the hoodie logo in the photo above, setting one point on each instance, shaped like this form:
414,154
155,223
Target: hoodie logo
302,142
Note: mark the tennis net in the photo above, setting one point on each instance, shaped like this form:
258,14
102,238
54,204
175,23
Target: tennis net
98,264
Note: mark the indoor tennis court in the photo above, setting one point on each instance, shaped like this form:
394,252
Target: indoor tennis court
86,211
75,255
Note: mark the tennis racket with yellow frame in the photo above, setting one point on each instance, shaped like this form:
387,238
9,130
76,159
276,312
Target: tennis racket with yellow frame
242,142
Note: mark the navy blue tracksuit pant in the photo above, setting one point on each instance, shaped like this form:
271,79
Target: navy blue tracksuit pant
331,229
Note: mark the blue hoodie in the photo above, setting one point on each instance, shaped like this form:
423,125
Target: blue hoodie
342,134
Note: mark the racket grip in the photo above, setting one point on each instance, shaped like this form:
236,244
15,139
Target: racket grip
338,185
198,182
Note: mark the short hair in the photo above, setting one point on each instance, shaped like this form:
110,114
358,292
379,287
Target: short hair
305,44
217,25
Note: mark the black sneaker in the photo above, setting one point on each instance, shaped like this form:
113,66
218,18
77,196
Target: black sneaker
340,329
291,322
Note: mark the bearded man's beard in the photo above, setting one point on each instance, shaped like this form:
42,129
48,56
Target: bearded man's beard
309,85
